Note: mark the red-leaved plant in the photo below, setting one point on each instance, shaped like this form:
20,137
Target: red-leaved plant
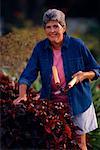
34,124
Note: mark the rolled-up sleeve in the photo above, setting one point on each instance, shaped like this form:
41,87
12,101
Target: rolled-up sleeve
97,73
89,61
30,73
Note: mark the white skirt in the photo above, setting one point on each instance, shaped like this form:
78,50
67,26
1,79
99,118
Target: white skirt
86,121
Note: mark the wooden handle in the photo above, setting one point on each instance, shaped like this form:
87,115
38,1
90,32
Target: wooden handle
55,75
72,82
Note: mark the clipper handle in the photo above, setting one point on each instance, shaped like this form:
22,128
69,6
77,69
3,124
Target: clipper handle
55,75
72,82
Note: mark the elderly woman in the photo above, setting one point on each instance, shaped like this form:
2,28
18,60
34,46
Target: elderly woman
71,59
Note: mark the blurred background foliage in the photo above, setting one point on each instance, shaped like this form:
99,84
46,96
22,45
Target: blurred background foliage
16,48
95,135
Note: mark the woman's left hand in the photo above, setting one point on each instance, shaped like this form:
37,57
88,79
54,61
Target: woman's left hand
80,76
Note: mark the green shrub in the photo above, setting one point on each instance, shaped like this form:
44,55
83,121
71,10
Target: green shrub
95,135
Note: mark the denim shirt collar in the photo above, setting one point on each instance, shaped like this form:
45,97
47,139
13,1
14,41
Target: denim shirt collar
65,42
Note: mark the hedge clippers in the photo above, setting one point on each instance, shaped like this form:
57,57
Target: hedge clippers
57,82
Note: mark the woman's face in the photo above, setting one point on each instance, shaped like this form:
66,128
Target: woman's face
54,32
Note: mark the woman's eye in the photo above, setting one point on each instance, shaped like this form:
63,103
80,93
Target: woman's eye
55,26
48,27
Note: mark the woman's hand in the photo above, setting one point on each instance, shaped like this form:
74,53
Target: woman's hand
22,94
80,76
19,99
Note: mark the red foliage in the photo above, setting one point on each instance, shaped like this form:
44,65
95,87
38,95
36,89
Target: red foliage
68,131
48,123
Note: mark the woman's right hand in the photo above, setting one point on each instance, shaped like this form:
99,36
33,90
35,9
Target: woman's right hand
19,99
22,94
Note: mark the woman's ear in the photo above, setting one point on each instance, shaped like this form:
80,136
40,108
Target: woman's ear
64,29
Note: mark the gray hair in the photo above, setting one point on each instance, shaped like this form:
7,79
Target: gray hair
54,14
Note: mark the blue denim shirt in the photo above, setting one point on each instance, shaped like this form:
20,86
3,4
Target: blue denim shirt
76,57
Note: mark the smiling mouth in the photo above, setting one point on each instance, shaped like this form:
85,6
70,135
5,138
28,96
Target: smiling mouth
54,35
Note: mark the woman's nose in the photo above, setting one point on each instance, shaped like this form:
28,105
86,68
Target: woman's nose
52,29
